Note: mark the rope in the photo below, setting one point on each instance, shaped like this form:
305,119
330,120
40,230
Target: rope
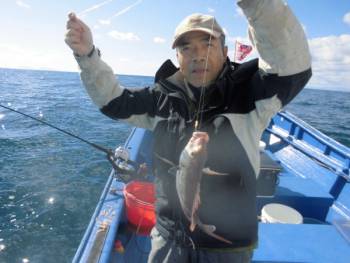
199,115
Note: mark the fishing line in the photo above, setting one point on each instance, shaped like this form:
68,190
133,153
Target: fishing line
199,115
96,146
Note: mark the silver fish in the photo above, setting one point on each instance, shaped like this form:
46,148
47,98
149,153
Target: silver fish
188,179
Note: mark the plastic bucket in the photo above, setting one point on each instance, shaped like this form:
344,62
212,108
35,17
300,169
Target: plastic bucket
139,203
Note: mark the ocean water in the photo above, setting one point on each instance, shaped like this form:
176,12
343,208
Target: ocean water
50,182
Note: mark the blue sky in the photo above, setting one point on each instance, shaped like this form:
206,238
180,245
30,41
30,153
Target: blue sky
135,35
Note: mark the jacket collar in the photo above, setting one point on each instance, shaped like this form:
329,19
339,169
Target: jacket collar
169,72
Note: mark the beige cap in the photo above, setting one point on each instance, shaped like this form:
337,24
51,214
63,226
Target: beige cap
198,22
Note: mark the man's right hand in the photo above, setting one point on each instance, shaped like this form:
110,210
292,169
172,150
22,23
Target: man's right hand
78,36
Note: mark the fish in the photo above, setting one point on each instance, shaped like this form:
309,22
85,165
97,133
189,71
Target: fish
188,179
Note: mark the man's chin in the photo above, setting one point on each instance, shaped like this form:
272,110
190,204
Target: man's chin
199,83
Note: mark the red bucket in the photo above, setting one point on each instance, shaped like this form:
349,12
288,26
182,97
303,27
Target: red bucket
139,203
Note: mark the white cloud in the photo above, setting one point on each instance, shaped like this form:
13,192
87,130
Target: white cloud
159,40
346,18
104,21
16,56
124,59
143,67
211,10
129,36
22,4
97,36
331,62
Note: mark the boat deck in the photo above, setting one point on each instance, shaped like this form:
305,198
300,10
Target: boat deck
278,243
314,180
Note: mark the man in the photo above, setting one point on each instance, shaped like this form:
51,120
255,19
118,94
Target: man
232,102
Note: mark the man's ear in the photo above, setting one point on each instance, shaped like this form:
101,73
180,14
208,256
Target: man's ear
225,51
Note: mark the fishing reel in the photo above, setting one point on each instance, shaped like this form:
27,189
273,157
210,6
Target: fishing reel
120,162
123,164
126,169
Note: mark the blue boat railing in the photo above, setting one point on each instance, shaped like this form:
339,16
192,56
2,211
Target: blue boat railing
82,249
306,139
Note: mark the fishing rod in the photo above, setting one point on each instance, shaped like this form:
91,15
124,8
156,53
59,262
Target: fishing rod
96,146
119,159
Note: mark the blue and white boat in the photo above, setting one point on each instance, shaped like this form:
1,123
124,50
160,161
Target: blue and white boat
303,204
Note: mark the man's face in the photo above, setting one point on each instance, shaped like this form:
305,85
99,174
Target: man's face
192,52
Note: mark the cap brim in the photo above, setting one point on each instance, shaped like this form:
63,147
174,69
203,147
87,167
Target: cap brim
205,30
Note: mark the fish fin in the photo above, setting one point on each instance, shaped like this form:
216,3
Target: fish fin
209,229
198,200
173,170
194,219
220,238
192,226
194,216
208,171
164,159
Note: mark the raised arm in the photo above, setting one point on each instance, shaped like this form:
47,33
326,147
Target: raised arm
97,76
284,57
135,107
277,36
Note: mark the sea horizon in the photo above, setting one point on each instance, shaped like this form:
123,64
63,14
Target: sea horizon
148,76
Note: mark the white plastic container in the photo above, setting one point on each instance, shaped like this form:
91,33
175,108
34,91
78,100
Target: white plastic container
278,213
